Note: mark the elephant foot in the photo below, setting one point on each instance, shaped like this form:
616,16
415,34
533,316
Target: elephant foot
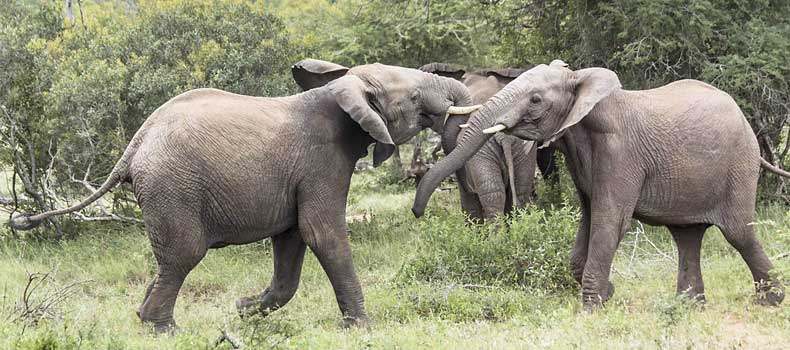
253,305
694,297
167,327
769,293
358,322
592,302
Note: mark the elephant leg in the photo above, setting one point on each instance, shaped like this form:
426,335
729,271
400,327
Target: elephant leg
288,253
489,184
579,252
611,207
689,242
322,225
147,293
493,204
470,204
524,164
177,252
741,236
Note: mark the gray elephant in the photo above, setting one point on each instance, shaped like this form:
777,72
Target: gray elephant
210,168
500,177
681,156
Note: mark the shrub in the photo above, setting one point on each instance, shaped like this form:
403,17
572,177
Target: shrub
531,253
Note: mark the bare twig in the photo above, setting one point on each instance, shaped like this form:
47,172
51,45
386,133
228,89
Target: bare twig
225,337
38,301
780,256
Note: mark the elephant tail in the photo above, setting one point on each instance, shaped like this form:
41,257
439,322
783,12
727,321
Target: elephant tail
120,172
773,168
507,149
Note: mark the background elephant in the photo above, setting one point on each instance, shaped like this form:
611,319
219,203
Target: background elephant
500,177
210,168
681,156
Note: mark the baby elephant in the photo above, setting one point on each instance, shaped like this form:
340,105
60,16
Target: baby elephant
681,156
210,168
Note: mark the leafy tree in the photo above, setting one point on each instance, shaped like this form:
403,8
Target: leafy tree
73,96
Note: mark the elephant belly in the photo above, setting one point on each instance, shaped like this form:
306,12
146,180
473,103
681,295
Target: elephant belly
687,196
259,213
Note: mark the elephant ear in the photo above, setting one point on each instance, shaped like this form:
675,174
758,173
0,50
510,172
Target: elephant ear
311,73
351,94
445,70
505,73
592,86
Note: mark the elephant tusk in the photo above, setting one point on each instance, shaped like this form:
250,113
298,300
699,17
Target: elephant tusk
463,126
462,110
558,63
495,129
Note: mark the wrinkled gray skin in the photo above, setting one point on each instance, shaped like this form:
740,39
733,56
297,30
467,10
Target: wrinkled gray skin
681,156
211,168
499,177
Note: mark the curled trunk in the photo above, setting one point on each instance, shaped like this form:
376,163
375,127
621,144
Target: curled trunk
469,142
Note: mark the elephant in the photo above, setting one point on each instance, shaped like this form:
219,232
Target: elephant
681,156
211,168
500,177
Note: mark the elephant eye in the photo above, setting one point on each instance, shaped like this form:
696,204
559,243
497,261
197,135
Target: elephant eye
535,99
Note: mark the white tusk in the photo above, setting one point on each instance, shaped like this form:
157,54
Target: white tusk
495,129
463,126
462,110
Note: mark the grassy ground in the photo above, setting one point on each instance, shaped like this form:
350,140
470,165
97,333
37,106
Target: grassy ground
115,263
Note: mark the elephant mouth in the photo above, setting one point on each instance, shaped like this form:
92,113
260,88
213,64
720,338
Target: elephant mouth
525,130
408,134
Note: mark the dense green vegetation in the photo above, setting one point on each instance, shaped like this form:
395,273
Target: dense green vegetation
461,304
74,89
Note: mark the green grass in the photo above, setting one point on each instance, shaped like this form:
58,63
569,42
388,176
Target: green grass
472,310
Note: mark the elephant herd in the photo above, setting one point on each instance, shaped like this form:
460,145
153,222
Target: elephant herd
211,168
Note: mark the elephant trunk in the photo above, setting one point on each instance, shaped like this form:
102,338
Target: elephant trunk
457,92
451,131
470,141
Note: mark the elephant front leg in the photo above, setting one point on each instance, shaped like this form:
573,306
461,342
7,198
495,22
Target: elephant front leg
612,205
323,227
524,175
471,206
489,185
288,253
579,252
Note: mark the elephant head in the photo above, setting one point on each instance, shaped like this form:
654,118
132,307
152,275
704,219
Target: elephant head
539,105
391,104
481,84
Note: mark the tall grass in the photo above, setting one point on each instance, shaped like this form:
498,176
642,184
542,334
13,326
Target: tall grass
429,283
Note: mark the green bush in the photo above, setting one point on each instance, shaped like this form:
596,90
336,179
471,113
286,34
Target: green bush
530,253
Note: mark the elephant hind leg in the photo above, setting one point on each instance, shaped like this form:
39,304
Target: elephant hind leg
741,236
689,242
178,249
288,253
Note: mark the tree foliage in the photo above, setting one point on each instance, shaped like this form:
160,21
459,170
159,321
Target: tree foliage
74,95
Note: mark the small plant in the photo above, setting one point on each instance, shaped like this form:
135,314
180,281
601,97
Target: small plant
528,250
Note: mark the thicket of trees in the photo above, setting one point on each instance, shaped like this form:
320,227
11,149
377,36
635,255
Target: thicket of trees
77,78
